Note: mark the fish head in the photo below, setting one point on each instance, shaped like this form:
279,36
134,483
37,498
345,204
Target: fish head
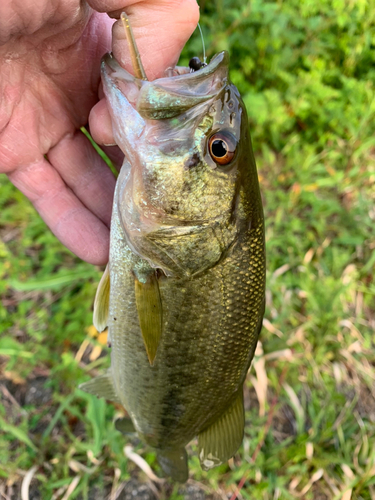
188,151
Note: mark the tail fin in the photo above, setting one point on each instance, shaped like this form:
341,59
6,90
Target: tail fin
175,464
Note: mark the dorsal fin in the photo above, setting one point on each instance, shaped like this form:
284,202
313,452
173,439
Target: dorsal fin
149,307
101,303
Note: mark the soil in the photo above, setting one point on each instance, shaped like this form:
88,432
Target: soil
136,491
37,394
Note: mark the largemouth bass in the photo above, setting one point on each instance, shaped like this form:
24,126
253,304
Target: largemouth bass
183,294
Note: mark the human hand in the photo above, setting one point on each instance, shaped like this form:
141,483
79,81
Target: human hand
49,78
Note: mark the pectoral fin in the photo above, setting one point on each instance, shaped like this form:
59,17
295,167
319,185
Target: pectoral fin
101,303
219,442
174,463
102,387
149,309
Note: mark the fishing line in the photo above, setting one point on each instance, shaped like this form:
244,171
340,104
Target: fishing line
204,48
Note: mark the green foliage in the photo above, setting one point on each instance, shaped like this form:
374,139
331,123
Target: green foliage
305,71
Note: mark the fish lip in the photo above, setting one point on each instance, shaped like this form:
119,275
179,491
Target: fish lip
169,96
217,61
110,61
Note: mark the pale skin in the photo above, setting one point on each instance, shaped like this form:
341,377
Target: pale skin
50,53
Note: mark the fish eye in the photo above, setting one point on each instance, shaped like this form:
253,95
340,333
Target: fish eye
222,147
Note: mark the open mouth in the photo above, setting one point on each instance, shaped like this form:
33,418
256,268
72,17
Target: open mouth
172,95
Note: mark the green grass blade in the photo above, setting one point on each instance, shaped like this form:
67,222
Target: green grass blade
17,433
52,282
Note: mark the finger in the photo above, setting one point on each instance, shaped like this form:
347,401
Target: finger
101,124
161,29
86,173
73,224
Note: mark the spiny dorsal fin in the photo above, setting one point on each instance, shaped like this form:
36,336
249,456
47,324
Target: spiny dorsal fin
102,387
219,442
174,463
149,307
101,303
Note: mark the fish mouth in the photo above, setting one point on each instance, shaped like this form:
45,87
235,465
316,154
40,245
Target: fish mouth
173,94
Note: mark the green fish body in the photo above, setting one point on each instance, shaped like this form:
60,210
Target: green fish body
184,296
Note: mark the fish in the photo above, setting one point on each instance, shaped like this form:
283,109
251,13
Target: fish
183,294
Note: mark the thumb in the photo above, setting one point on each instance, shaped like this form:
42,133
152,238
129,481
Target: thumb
161,29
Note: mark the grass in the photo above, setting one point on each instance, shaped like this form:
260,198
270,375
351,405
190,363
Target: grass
305,70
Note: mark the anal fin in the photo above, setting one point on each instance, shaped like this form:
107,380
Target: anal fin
149,307
220,441
174,463
102,387
125,426
101,303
